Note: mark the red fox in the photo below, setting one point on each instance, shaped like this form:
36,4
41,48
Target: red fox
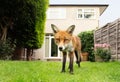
68,44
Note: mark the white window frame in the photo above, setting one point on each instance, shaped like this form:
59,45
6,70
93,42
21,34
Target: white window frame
83,13
50,38
56,13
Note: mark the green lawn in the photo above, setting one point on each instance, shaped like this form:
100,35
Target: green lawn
38,71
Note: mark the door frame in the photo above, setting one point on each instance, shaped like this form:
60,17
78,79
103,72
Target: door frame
58,54
50,40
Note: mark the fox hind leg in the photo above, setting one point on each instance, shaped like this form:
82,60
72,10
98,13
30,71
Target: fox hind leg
78,58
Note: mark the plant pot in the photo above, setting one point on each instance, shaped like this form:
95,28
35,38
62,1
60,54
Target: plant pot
84,56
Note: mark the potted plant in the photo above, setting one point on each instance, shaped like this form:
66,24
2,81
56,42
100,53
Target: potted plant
87,42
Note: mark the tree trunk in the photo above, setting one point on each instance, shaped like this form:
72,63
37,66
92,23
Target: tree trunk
18,53
29,54
4,34
7,22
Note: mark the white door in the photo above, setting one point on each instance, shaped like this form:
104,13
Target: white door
51,49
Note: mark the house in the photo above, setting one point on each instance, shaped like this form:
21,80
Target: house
83,16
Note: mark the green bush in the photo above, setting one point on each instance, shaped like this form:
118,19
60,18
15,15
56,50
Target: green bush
104,54
87,42
6,50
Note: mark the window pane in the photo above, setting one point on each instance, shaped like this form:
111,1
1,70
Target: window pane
47,46
79,10
80,13
88,10
89,15
80,16
54,49
56,13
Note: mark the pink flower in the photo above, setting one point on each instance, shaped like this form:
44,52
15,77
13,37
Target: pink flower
104,45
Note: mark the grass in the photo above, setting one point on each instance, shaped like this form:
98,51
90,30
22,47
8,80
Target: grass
39,71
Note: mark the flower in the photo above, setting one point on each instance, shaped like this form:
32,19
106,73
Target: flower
104,45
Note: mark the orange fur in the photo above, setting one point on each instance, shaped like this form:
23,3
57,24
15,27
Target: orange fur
67,43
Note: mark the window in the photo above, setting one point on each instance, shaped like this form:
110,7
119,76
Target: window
56,13
86,14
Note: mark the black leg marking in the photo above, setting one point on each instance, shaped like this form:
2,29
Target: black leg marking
78,58
71,62
76,54
64,61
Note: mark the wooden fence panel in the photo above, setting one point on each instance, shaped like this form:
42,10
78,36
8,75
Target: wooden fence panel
110,34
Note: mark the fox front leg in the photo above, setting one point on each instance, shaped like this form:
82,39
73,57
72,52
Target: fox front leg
71,55
64,61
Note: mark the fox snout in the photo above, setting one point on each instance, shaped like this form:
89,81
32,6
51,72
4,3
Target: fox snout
61,48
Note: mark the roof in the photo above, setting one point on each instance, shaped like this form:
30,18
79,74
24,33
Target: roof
101,6
78,4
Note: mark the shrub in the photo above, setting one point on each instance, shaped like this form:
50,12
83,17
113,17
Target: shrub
6,50
87,42
104,54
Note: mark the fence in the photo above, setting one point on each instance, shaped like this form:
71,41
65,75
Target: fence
110,34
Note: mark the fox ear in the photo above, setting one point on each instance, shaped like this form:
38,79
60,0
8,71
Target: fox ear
54,28
71,29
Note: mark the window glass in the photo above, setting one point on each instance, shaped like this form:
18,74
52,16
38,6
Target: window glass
56,13
86,14
80,13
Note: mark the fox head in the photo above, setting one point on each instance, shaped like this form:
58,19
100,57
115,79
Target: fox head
63,38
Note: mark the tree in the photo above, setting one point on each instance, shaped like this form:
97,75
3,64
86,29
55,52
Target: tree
30,26
6,18
28,22
7,12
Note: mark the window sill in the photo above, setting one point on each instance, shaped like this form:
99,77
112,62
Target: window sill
53,58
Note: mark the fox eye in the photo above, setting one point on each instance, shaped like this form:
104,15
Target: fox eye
66,40
57,40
